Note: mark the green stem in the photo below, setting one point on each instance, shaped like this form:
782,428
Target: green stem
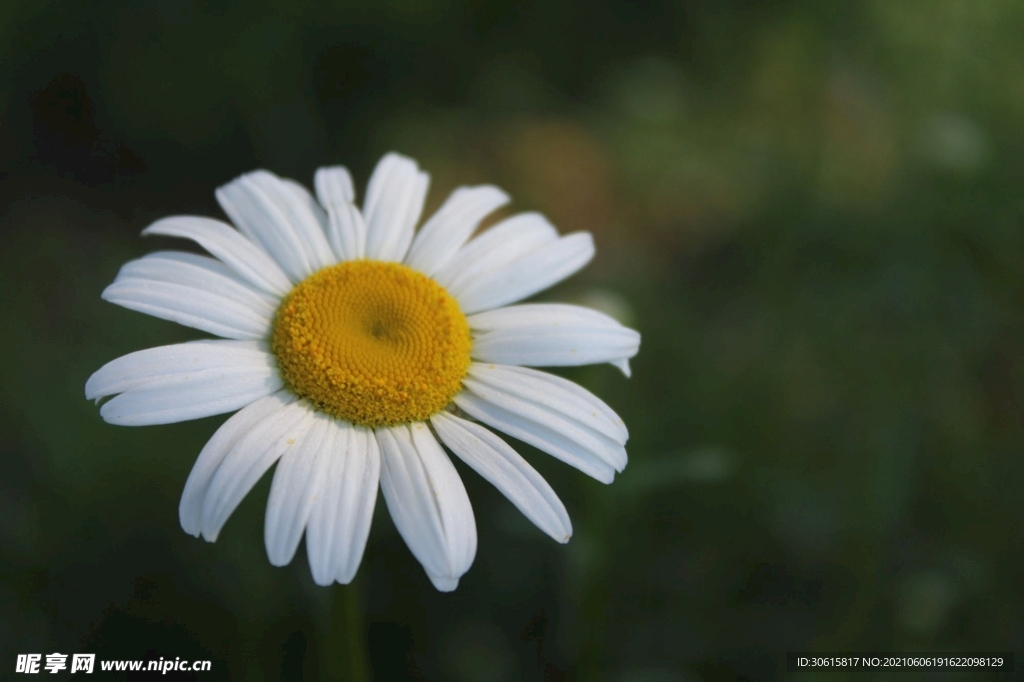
344,653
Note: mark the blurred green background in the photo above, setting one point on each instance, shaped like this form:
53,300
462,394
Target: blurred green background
811,211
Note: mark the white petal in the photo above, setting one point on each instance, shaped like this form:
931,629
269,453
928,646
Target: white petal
189,306
527,275
448,229
537,435
190,510
305,205
271,214
238,253
551,414
212,392
306,217
428,503
547,315
496,461
340,520
334,186
249,458
496,247
256,217
320,532
346,230
555,394
298,481
181,382
199,272
394,201
550,334
169,365
359,502
623,366
347,233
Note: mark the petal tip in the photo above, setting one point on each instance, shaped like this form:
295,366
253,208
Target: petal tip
444,583
188,528
623,366
393,156
345,578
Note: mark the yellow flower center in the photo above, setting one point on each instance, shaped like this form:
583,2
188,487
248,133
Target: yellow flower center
373,343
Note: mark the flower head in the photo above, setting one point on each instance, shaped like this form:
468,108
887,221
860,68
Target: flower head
353,346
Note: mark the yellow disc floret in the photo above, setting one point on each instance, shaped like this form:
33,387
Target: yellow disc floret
373,343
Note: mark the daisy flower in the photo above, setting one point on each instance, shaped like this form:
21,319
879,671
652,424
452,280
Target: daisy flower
353,347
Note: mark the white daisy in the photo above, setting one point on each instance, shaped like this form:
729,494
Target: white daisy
353,346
